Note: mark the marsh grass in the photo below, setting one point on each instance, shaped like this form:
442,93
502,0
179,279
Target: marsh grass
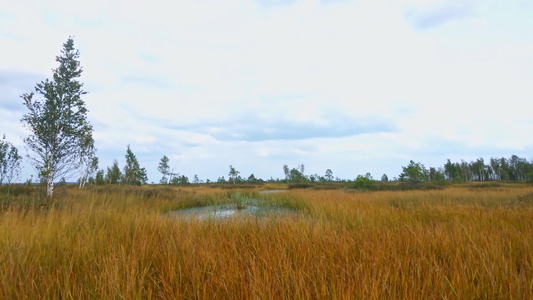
114,242
239,200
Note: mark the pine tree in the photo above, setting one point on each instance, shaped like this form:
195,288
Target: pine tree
133,173
164,168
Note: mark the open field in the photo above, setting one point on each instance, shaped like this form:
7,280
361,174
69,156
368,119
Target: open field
117,242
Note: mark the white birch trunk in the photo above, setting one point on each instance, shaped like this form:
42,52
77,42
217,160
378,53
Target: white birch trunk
49,185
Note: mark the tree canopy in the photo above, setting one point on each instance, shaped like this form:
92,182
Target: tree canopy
9,161
61,135
164,168
133,173
414,173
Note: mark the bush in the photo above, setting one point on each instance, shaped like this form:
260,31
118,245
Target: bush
364,182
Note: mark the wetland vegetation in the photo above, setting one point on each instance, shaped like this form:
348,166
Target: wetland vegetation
460,241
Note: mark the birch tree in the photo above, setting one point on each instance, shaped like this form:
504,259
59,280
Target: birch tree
113,175
88,167
61,135
9,162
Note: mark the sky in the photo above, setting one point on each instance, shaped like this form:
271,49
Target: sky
348,85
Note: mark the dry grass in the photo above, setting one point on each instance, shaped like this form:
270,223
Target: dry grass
116,243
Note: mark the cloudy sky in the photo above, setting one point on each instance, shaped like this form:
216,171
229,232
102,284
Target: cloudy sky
355,86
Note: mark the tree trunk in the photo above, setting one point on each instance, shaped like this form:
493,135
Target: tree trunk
49,185
82,182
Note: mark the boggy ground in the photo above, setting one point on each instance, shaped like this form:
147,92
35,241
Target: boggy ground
117,242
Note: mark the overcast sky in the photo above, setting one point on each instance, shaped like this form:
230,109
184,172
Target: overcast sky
354,86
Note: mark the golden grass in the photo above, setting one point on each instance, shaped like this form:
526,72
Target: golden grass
117,243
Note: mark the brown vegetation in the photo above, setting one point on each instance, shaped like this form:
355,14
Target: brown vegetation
115,242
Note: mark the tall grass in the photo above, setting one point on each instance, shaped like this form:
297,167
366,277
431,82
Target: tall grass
118,243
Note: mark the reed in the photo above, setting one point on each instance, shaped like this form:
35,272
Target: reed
116,242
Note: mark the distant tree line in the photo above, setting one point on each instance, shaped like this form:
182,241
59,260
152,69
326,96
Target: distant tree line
497,169
513,169
132,174
62,145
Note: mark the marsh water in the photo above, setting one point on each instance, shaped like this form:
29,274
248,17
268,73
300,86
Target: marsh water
250,207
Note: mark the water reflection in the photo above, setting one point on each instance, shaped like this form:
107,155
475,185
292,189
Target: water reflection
252,207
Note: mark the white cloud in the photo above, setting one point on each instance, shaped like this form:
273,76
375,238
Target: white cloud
436,13
345,85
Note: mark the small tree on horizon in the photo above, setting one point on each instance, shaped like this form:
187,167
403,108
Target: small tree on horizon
329,175
252,179
384,178
88,169
113,175
9,161
233,174
364,181
196,179
133,173
295,175
414,173
99,178
286,171
182,180
164,169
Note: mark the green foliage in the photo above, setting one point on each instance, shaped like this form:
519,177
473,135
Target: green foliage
88,169
530,175
240,200
452,171
61,136
182,180
295,175
113,175
143,176
233,175
436,175
164,168
384,178
499,169
329,175
100,180
9,161
252,179
364,182
414,173
133,173
315,178
196,179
